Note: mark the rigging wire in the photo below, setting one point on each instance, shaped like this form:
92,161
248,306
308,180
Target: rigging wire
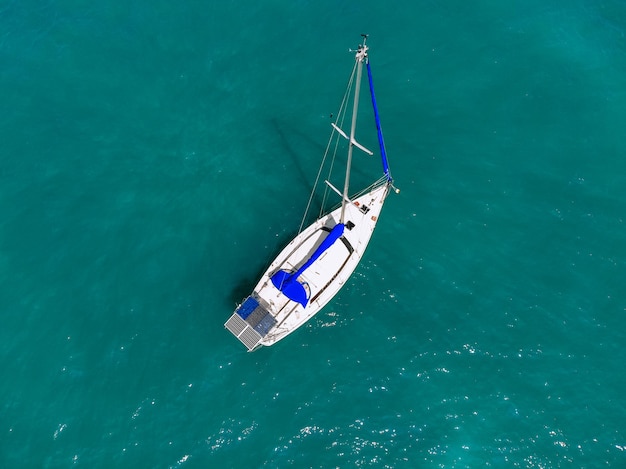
341,117
339,122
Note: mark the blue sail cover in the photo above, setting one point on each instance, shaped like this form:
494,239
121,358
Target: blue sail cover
288,283
381,142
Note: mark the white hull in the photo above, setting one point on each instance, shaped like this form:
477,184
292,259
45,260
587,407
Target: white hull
322,280
329,273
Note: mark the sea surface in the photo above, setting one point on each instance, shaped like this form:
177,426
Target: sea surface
155,156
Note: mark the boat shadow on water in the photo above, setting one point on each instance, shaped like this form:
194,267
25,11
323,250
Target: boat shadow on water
283,130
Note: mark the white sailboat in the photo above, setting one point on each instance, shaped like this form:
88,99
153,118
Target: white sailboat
314,266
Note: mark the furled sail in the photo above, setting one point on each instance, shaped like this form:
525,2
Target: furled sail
383,152
287,282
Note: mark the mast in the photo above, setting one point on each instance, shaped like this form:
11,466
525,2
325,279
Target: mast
361,54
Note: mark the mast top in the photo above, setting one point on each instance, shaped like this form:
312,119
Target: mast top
361,52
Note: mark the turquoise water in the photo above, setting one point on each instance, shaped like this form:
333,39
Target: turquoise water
155,156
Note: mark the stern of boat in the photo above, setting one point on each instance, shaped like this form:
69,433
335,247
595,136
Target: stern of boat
250,322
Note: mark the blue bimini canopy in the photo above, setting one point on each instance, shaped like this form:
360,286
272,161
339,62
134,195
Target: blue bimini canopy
288,283
247,307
